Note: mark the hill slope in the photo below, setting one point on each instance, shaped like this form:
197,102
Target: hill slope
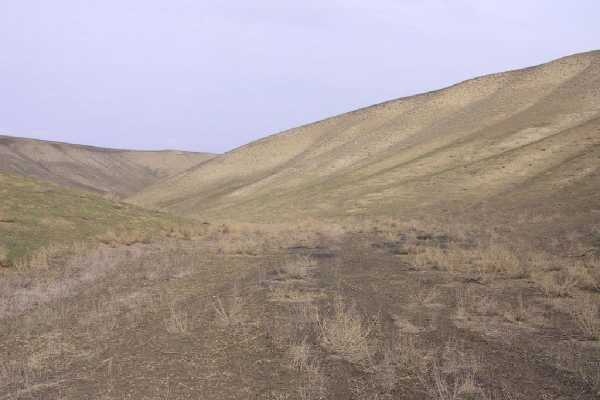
121,172
530,136
36,214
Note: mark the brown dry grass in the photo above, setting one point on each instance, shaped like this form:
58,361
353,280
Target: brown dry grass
492,259
556,283
298,268
243,239
452,374
346,332
179,321
4,262
315,331
585,311
230,311
587,273
125,237
520,312
299,353
424,296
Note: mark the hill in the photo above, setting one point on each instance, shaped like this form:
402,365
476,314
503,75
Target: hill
95,169
524,140
36,214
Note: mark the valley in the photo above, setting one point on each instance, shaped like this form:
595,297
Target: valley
440,246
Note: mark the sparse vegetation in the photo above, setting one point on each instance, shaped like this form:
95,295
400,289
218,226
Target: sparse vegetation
298,268
518,313
345,332
452,375
178,320
299,355
586,313
311,332
557,284
444,246
4,262
424,296
229,312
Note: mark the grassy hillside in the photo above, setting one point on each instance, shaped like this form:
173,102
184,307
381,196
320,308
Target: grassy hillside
525,140
100,170
36,214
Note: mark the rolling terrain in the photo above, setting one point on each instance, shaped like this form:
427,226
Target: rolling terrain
37,215
105,299
524,140
95,169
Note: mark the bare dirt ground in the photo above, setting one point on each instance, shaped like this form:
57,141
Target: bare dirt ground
363,315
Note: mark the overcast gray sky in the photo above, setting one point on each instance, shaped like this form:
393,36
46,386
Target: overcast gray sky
210,75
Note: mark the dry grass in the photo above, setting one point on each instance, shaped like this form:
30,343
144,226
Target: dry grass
299,354
299,267
400,359
486,305
452,375
408,355
242,238
178,321
52,254
284,294
4,262
385,372
539,261
587,273
500,259
43,280
439,258
313,385
585,311
306,315
384,366
463,302
236,245
345,332
126,237
15,375
572,357
424,296
556,283
229,312
493,259
518,313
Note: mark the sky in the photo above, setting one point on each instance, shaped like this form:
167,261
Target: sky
208,75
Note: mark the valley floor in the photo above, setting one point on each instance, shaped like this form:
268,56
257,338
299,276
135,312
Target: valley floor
363,315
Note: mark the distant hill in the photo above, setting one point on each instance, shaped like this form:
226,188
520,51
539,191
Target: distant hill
521,141
95,169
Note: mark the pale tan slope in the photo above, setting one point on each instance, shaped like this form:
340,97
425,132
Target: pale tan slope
531,134
119,172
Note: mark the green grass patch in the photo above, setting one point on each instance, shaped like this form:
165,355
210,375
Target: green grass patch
37,214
